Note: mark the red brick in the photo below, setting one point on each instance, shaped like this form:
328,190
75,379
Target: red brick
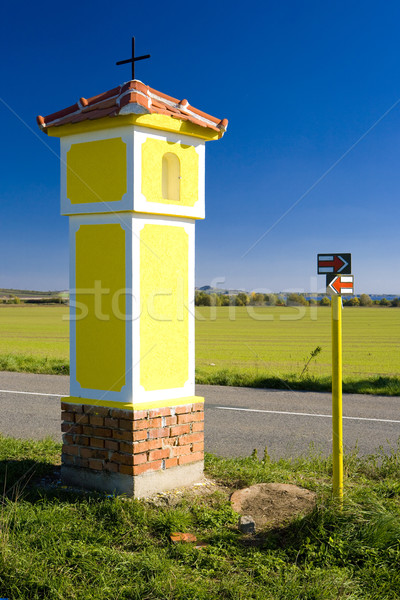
183,537
198,426
87,453
88,430
159,454
191,417
139,435
127,469
76,408
68,438
96,443
159,433
159,412
70,450
180,450
193,457
100,411
112,467
140,414
112,423
127,424
67,459
171,462
68,417
94,453
171,441
142,424
190,439
67,428
126,436
154,466
82,419
126,447
82,440
111,445
82,462
97,421
198,406
96,431
97,465
171,421
186,408
122,459
139,459
156,422
199,447
179,430
145,446
118,413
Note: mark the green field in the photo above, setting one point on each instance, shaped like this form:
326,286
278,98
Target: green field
371,340
237,345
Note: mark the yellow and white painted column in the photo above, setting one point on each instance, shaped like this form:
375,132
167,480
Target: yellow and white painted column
132,187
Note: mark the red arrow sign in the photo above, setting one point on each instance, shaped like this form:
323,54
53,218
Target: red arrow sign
337,263
342,284
334,263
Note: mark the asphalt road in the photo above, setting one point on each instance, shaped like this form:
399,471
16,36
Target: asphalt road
237,419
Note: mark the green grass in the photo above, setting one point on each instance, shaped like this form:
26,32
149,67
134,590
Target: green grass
37,331
280,340
378,385
253,346
57,544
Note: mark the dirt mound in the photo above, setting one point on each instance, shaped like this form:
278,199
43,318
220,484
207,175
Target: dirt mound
273,504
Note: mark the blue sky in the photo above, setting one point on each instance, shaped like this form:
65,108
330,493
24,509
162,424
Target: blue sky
301,82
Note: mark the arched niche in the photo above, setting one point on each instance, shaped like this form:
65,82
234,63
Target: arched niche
171,176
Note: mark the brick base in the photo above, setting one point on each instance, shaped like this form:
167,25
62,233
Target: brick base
114,447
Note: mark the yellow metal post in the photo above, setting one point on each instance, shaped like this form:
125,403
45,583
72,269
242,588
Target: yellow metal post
337,420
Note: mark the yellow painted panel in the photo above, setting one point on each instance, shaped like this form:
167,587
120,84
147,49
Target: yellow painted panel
96,171
154,121
138,405
100,279
154,163
164,325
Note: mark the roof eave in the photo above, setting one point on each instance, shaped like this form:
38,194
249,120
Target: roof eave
134,114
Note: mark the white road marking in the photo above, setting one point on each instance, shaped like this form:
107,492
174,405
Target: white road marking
297,414
31,393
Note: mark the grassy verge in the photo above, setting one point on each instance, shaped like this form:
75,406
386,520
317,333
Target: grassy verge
55,544
23,363
387,386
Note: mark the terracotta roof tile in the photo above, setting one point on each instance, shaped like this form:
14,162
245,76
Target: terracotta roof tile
99,105
113,103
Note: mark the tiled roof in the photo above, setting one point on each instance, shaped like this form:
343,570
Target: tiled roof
133,97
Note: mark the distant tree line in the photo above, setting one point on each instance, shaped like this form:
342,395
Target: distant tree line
47,300
258,299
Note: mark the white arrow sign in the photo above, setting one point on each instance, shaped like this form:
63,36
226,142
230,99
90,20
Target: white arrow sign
341,284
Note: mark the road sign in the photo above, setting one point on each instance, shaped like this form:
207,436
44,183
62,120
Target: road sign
334,263
340,284
339,281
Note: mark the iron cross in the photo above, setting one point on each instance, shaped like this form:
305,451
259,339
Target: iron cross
133,59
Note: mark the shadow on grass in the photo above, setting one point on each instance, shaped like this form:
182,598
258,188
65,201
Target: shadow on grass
21,476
